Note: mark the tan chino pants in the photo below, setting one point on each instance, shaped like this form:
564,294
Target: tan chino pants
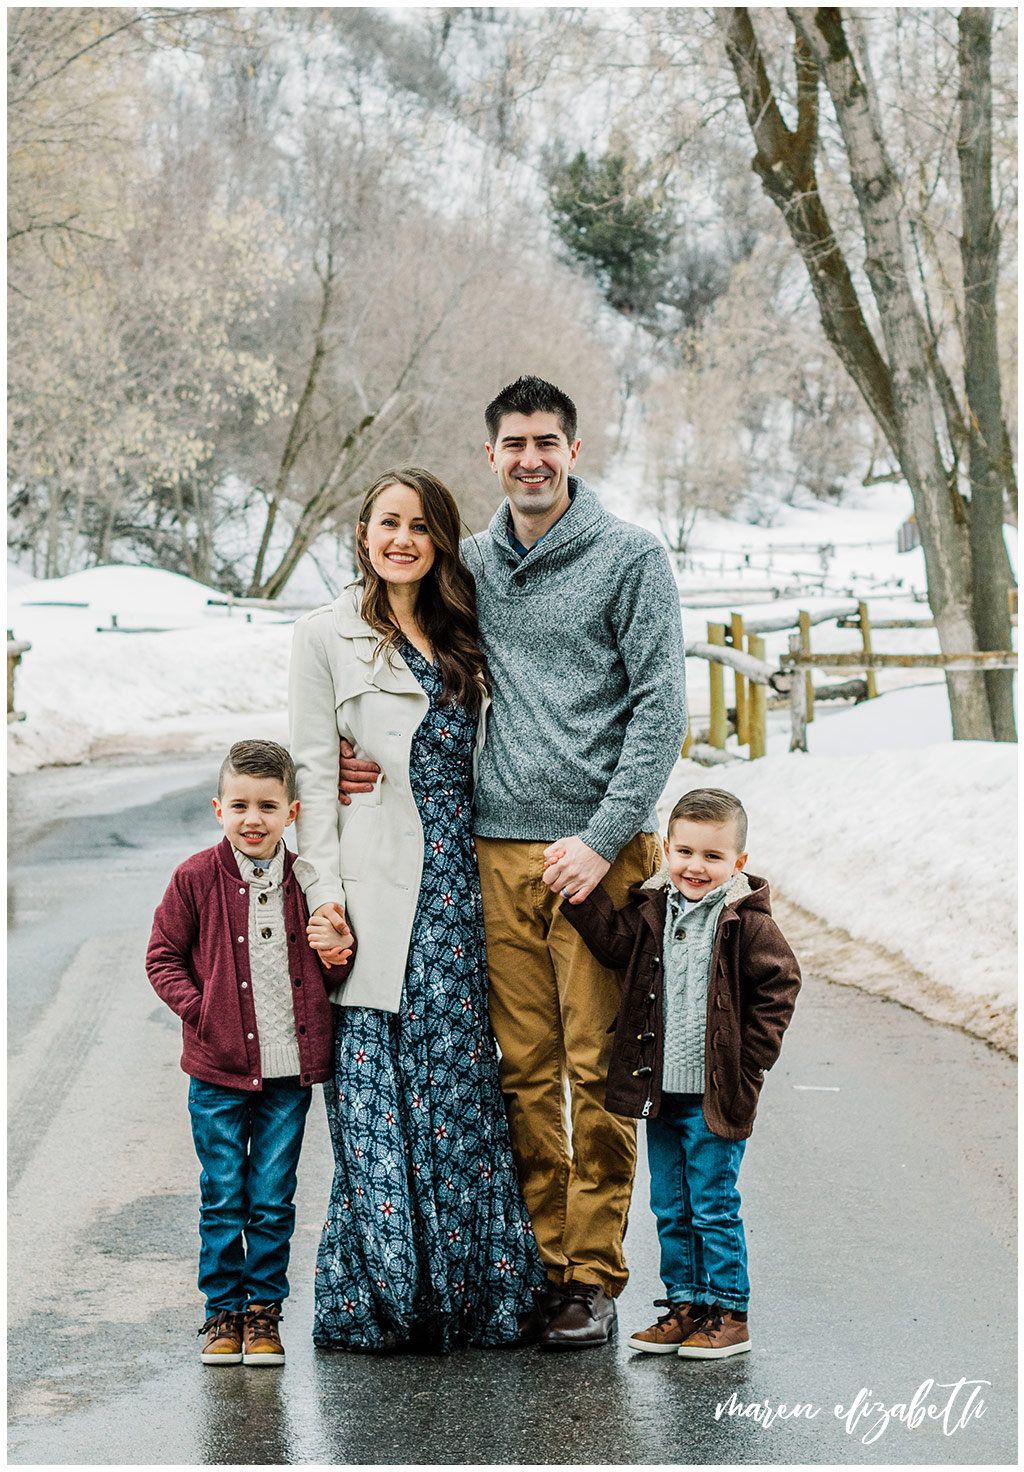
551,1006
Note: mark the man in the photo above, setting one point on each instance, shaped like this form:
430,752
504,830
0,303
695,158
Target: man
579,618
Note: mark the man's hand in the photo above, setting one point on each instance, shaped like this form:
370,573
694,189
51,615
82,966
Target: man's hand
354,775
329,935
573,868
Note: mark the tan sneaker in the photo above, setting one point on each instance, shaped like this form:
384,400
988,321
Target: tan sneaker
223,1339
720,1335
262,1339
672,1328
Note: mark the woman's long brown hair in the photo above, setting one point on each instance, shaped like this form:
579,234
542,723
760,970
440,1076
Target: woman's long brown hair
446,603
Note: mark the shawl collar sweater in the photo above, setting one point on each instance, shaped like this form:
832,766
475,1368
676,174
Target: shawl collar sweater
585,644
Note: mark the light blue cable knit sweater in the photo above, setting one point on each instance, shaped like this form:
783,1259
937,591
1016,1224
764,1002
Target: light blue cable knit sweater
585,643
687,949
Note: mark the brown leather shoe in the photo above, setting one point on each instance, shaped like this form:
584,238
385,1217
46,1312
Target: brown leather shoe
672,1328
532,1325
585,1320
720,1336
262,1337
223,1339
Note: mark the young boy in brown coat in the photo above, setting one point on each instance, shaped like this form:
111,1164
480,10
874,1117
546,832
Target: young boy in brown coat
709,989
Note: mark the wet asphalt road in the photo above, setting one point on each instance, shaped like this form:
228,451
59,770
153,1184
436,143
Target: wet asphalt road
878,1193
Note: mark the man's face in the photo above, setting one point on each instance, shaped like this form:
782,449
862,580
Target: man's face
532,460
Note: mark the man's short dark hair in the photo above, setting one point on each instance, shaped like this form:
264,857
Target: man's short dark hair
259,759
531,396
712,805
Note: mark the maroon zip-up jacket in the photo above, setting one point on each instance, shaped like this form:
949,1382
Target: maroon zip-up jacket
198,962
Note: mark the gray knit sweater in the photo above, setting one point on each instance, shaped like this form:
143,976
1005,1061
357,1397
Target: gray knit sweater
585,644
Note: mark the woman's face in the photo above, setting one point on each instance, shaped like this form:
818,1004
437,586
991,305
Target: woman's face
396,537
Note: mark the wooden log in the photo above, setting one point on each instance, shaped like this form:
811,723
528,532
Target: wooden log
777,623
865,634
849,690
756,713
995,659
736,631
798,702
716,681
757,671
711,756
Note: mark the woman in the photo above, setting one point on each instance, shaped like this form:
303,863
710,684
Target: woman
427,1240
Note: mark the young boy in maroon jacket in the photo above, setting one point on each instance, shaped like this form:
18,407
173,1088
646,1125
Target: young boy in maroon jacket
229,955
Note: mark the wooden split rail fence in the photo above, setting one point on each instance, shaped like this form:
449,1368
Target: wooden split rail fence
754,676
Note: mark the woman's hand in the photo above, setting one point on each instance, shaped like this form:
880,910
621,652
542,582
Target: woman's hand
329,935
354,774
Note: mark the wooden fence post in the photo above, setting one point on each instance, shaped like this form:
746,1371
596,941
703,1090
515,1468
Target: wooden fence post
757,707
865,634
798,700
716,681
15,649
742,735
805,644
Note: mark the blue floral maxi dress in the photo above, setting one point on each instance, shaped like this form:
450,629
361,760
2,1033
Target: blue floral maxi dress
427,1240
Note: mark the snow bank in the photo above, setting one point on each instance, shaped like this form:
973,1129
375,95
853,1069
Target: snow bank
210,677
912,850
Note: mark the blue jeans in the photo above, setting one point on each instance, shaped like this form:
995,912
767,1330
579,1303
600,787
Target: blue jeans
248,1146
696,1203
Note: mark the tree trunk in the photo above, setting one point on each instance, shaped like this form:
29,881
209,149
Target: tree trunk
940,515
979,252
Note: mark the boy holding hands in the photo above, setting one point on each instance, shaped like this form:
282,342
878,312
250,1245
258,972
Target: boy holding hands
709,990
229,954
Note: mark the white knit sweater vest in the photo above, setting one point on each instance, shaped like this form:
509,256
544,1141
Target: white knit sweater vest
268,962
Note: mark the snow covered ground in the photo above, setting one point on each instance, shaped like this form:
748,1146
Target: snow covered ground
886,832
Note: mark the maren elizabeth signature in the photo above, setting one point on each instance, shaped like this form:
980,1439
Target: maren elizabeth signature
869,1418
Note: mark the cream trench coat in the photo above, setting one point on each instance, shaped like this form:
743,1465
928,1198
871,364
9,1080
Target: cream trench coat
368,856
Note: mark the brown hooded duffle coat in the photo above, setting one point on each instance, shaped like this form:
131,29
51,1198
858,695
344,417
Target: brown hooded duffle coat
751,994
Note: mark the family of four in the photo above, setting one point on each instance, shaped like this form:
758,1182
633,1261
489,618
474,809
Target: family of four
484,867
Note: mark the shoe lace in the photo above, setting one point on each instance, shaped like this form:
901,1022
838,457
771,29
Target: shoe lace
225,1319
263,1320
675,1310
714,1320
583,1292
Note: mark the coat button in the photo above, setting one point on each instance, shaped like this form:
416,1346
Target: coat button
249,1036
305,1078
266,932
244,985
262,899
241,940
298,980
292,938
302,1030
652,996
241,891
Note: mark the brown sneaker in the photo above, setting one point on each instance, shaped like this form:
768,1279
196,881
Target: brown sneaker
672,1328
262,1339
720,1335
223,1339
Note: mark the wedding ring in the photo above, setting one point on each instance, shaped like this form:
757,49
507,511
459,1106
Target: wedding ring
566,894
